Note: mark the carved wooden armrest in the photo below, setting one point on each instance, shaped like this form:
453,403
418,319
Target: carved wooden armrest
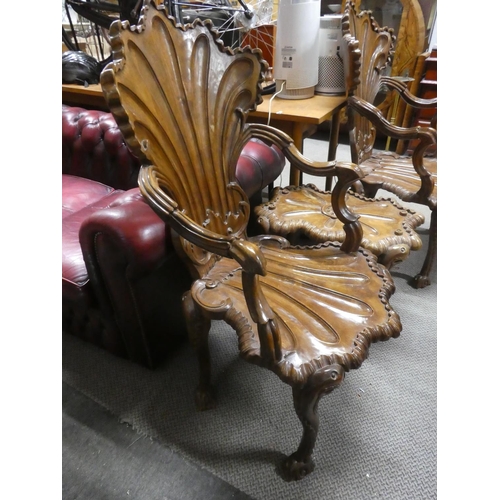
249,256
347,171
401,88
426,135
247,253
347,174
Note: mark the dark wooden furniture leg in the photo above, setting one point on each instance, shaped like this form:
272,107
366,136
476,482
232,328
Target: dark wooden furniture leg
198,329
332,145
422,280
305,400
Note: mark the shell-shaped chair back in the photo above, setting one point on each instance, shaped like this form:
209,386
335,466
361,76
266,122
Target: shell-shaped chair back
182,107
369,51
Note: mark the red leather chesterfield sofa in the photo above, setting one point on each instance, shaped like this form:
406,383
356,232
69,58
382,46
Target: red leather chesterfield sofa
122,282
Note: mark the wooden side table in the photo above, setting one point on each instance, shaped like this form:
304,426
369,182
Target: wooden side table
85,97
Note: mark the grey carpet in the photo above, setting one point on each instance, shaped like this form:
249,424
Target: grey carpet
377,435
103,459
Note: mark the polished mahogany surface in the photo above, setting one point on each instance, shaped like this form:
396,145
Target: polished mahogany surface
303,214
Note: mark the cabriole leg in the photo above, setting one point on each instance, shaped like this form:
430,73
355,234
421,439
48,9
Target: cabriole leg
306,399
422,280
198,329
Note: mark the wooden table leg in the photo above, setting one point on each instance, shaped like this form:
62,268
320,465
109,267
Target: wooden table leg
297,136
332,145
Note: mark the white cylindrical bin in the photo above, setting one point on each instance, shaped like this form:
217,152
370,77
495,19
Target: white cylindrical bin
331,56
297,48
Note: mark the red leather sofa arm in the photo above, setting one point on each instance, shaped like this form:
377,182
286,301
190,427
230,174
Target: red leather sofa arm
258,166
127,223
130,263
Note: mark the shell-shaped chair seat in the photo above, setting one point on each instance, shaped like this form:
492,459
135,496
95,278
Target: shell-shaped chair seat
396,174
304,214
329,305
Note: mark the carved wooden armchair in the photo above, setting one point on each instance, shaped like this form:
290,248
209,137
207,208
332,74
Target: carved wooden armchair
411,178
309,314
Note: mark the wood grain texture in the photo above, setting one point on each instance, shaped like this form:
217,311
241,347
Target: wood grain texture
303,214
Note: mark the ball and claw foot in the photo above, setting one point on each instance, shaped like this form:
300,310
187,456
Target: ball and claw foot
295,469
204,399
420,281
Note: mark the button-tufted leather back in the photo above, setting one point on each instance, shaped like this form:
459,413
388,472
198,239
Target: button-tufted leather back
93,147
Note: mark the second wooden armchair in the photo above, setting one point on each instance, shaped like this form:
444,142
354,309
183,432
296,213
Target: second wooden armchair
309,314
412,178
302,213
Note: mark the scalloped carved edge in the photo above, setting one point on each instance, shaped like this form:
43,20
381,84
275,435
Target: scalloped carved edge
118,57
285,370
426,195
352,44
274,224
150,11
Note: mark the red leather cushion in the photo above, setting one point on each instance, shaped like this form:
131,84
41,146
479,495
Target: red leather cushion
78,193
80,198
